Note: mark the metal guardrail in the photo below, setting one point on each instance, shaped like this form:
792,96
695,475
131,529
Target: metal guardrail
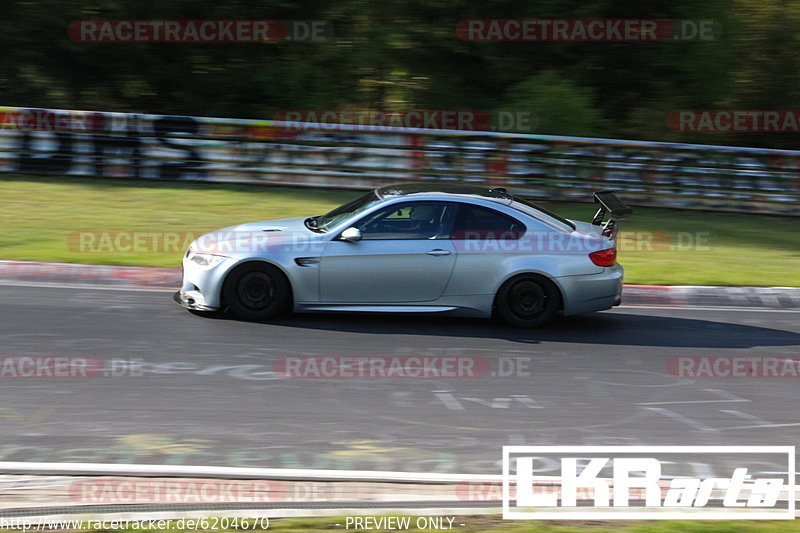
120,145
46,492
66,490
233,472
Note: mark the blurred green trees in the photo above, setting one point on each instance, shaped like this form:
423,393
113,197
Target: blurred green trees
407,55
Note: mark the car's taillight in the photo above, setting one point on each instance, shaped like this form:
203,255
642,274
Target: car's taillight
604,258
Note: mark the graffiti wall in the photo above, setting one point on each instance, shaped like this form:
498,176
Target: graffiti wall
119,145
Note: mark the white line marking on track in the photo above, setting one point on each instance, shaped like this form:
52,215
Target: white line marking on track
747,416
725,394
692,401
681,418
761,426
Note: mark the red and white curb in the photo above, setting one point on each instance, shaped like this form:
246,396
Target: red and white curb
169,279
65,274
710,296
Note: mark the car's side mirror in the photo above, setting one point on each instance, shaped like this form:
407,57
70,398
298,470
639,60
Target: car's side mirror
351,235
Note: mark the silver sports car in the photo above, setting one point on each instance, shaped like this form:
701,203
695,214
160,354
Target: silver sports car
413,248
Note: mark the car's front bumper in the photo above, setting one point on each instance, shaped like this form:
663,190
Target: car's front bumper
202,286
193,300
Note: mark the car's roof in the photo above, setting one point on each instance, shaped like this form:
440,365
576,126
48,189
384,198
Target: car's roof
499,195
449,189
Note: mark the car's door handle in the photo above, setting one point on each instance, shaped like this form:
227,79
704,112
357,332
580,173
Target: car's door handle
438,252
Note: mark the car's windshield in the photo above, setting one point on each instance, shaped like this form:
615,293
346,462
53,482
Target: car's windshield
325,222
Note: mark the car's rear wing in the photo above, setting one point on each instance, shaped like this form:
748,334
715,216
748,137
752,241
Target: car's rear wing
609,203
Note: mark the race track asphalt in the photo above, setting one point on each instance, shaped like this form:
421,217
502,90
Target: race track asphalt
201,390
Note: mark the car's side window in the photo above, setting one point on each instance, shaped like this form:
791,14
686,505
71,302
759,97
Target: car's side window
482,223
409,220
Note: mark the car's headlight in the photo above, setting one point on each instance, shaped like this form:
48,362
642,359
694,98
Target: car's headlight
206,260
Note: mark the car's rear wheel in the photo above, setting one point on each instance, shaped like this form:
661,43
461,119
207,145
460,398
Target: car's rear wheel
527,301
256,291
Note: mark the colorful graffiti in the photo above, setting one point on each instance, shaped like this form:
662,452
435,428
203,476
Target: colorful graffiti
119,145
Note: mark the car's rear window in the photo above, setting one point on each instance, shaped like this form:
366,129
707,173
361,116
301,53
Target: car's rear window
478,222
526,206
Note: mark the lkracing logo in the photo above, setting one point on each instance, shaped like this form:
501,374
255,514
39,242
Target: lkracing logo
648,482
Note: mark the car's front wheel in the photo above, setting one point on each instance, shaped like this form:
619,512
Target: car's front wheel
256,291
527,301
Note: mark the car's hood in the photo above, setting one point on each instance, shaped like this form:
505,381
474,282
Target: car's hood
284,225
256,238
